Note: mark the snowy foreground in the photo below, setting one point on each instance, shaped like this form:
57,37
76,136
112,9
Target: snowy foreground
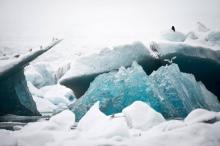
138,124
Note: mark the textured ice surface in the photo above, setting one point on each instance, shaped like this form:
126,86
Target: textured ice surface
202,62
40,75
15,97
85,69
167,90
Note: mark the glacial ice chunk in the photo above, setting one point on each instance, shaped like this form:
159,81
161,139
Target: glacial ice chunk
58,94
167,90
96,124
40,75
139,115
85,69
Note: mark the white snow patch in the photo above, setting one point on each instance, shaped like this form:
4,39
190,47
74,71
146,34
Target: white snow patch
43,105
7,139
65,119
96,124
141,116
201,115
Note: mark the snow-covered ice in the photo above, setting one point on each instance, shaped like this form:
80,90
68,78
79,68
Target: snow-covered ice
95,129
139,115
58,94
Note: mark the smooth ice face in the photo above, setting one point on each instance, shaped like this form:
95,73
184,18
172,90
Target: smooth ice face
167,90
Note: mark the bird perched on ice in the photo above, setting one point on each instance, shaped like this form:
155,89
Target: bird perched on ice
173,28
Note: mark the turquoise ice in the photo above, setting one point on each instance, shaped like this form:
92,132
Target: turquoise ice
167,90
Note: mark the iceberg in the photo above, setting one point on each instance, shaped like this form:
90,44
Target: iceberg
169,91
15,97
85,69
202,62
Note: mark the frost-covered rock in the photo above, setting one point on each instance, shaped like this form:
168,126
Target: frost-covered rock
139,115
40,74
96,124
58,94
174,36
202,115
167,90
64,119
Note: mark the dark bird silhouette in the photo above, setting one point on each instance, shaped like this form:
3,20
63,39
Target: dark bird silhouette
173,28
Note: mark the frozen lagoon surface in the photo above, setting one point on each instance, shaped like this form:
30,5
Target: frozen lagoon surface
146,108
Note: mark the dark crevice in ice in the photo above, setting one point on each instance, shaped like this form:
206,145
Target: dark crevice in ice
205,70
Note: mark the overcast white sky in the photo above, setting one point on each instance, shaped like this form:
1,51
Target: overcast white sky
103,18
